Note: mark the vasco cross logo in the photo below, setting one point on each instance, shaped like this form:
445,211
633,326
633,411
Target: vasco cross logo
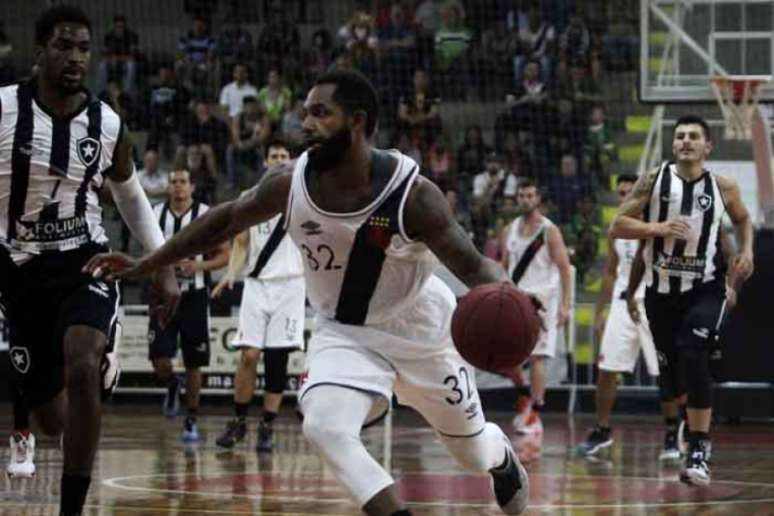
88,150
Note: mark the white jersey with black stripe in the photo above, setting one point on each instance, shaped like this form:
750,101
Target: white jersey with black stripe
361,268
541,277
279,257
51,171
171,223
676,265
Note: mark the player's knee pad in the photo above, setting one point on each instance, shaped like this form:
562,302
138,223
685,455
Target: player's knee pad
276,362
478,453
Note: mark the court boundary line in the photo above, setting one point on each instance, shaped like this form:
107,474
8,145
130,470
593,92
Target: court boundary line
113,483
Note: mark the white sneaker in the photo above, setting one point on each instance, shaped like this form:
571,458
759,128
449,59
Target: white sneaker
21,464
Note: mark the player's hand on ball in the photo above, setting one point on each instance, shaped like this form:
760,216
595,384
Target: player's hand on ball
165,296
113,266
633,309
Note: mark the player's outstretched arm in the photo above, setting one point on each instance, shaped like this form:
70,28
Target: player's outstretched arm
742,265
262,202
628,221
429,219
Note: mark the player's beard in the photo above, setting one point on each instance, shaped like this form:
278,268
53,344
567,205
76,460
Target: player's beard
328,153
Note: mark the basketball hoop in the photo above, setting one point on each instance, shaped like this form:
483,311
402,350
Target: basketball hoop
738,96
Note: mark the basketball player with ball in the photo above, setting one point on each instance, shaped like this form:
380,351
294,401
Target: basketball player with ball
371,230
537,262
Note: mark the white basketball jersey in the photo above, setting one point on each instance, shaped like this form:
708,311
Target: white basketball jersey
51,171
271,253
361,268
626,250
541,276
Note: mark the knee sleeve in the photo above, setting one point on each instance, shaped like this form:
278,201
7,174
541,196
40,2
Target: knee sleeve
333,417
698,380
481,452
276,362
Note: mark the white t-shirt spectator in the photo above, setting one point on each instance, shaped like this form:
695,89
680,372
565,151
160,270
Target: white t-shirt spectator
482,181
232,95
511,185
154,184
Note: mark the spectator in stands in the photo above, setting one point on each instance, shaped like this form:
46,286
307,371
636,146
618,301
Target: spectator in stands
600,149
471,155
517,15
195,57
153,179
621,42
418,113
397,47
575,41
536,41
582,236
7,73
408,146
233,93
567,188
199,160
275,98
201,128
526,106
279,44
233,45
251,130
461,216
427,17
487,187
119,56
292,127
167,106
440,163
576,92
452,41
499,47
360,41
319,57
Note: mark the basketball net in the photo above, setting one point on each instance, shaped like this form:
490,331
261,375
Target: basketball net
738,96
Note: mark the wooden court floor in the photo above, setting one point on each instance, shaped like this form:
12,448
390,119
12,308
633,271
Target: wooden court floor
143,468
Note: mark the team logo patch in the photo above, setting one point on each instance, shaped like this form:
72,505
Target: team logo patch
20,358
311,227
704,202
88,150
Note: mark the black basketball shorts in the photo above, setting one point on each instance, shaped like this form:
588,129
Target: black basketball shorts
41,299
190,327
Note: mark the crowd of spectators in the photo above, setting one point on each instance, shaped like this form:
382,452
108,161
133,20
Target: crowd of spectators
538,66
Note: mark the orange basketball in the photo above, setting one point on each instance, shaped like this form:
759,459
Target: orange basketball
495,327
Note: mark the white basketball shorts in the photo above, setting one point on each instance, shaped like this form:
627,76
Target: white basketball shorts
547,341
272,314
411,355
623,340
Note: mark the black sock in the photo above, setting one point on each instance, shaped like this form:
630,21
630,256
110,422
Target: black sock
403,512
268,416
683,413
537,406
671,423
697,437
73,489
523,390
192,413
240,409
603,429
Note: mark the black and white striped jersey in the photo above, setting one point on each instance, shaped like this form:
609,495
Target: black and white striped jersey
171,224
675,265
51,170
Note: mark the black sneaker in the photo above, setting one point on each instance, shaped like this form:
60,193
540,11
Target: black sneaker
265,442
236,429
697,471
598,439
671,449
511,484
171,406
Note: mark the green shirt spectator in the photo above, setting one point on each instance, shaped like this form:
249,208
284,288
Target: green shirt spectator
452,39
275,98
